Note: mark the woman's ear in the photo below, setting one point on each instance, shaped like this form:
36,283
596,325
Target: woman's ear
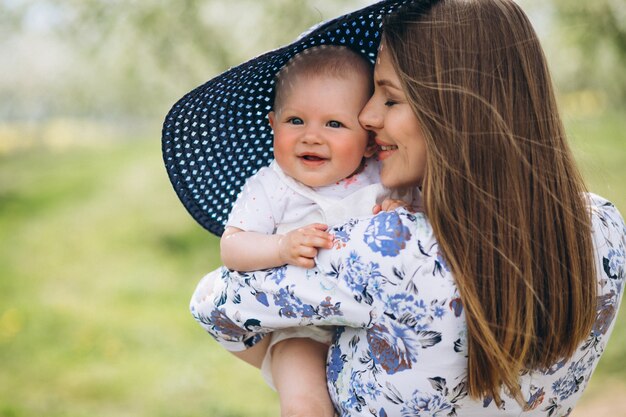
371,148
271,117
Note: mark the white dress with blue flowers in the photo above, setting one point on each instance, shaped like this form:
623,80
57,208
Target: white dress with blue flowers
399,347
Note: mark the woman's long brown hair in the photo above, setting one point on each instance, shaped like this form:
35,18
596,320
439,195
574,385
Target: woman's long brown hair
501,190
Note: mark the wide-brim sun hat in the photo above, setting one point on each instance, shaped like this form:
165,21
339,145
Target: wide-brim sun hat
218,135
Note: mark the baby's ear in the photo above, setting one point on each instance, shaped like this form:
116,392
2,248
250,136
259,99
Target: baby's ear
271,117
371,148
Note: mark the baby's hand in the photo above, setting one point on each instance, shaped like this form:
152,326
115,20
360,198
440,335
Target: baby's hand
299,246
389,204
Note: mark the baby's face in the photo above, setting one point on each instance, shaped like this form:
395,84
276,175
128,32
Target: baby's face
318,139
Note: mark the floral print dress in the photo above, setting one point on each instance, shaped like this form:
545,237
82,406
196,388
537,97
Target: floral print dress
399,345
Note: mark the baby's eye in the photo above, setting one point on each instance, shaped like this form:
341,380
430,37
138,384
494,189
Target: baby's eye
334,124
295,121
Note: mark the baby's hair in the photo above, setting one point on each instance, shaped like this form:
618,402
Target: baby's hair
322,61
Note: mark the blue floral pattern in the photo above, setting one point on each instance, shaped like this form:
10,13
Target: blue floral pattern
386,234
399,346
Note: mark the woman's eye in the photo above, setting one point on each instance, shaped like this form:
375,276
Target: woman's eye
335,124
295,121
389,103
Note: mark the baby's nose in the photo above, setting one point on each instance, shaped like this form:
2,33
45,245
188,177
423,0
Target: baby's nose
312,136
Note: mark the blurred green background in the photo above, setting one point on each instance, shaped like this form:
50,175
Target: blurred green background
97,256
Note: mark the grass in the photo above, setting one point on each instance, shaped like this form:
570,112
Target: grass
599,146
98,260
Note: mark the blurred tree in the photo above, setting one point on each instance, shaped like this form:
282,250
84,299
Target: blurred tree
11,14
131,57
136,57
596,30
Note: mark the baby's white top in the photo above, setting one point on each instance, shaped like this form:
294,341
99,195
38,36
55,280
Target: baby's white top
272,202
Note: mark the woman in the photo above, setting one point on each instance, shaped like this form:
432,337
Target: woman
499,299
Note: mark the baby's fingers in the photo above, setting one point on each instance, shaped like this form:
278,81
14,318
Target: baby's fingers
316,238
317,226
306,252
304,262
316,241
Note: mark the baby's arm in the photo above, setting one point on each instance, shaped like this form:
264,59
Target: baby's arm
250,251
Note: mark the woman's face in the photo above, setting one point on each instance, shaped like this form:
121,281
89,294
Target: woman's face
401,145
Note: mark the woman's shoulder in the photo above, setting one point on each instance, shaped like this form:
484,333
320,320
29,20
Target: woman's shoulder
609,239
607,222
598,202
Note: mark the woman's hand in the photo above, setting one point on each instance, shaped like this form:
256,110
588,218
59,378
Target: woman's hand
390,204
300,246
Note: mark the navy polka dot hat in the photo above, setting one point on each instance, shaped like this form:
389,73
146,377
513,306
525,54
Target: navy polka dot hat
217,136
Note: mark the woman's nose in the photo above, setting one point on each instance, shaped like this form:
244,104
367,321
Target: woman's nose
369,118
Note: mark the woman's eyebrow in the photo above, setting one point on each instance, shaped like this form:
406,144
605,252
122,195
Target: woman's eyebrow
386,83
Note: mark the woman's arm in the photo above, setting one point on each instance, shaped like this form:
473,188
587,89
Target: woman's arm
351,285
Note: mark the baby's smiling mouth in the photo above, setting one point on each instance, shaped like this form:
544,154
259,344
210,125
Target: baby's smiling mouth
312,158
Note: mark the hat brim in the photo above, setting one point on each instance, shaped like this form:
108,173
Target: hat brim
217,136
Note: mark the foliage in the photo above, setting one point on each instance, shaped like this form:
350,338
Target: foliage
113,58
98,260
116,57
596,31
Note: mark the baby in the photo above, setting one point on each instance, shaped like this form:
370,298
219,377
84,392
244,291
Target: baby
320,176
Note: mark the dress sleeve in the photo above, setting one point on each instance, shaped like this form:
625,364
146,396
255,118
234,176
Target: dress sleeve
258,206
351,285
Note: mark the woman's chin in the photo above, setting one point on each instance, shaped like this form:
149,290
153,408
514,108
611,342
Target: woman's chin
395,182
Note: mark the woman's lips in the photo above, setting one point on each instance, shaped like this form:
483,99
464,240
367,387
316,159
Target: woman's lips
385,150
